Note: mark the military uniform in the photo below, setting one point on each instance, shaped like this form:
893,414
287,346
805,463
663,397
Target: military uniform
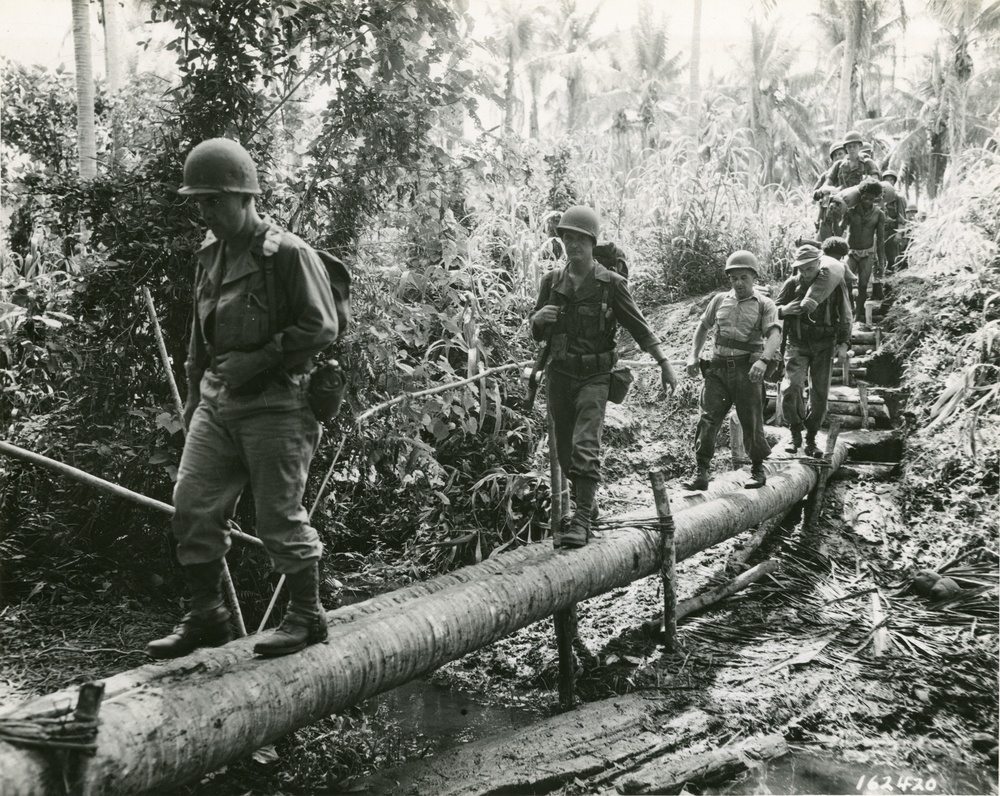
582,358
811,339
727,380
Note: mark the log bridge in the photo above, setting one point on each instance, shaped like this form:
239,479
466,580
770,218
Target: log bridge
167,724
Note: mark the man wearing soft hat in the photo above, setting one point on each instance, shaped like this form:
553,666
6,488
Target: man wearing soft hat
816,331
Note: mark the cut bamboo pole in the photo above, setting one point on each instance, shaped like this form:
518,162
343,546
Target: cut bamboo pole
164,356
668,559
105,486
227,579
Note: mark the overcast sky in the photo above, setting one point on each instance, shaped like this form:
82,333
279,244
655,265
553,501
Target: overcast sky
39,31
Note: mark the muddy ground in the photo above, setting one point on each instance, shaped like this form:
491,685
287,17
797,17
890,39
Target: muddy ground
875,687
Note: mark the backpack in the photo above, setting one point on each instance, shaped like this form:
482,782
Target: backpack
328,381
612,258
340,283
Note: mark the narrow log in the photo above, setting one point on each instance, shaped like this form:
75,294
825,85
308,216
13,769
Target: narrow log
167,724
670,774
843,408
849,422
692,605
597,737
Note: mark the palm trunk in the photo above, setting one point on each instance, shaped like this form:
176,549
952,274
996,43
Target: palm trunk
845,95
167,724
114,65
694,86
87,141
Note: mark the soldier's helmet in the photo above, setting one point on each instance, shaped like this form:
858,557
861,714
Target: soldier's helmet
853,137
836,146
219,165
742,259
580,218
890,173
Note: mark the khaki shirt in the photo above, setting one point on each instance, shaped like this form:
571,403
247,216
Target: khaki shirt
748,320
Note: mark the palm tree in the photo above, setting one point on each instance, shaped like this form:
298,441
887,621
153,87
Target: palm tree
966,22
860,38
646,77
517,29
573,35
87,137
781,125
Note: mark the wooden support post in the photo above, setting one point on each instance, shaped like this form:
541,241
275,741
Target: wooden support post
845,369
878,338
88,705
668,559
824,473
736,446
863,401
565,621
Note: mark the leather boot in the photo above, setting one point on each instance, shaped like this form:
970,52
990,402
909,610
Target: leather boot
796,443
305,619
758,476
206,624
700,482
578,533
811,450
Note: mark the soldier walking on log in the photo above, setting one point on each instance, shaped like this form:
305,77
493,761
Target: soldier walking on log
578,311
247,413
746,339
812,339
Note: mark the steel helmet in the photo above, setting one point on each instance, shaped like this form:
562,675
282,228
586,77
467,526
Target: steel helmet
580,218
219,165
890,173
853,137
742,259
834,147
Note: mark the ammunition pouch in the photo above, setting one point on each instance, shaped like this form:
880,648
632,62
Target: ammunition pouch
621,379
582,365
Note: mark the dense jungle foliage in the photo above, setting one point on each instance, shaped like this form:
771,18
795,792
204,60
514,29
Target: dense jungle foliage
358,114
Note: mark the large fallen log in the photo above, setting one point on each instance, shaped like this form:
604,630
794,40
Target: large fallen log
599,737
670,775
170,723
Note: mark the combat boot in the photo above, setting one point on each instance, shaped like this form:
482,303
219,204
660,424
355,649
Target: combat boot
305,619
811,450
578,532
206,624
796,443
758,476
700,482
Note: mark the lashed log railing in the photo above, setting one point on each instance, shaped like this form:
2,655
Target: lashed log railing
168,724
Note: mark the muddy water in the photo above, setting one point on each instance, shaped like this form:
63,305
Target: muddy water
441,717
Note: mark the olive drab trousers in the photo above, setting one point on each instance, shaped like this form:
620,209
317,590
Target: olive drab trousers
815,359
265,441
727,382
577,405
